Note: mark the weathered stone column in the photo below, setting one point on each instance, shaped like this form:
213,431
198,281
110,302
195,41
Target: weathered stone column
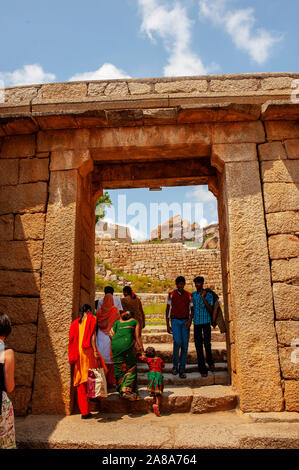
250,299
60,285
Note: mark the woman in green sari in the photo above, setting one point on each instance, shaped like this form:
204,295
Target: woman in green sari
123,333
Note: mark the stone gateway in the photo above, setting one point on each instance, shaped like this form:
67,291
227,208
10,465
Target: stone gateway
62,143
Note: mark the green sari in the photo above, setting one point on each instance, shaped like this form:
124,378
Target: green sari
124,359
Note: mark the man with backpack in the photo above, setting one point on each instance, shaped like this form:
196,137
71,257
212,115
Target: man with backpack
202,315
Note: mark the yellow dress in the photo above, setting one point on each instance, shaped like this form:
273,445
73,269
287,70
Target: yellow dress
86,359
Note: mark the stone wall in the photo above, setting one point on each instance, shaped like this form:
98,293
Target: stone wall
280,176
23,205
163,261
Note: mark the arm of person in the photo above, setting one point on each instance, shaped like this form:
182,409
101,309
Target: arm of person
9,370
94,347
167,315
189,322
138,338
208,306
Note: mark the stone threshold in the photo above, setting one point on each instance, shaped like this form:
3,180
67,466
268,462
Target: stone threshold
221,430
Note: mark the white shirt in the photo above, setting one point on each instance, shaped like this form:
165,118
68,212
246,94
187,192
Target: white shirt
116,301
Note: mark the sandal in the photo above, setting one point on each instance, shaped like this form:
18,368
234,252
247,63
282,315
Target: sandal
204,374
174,371
183,375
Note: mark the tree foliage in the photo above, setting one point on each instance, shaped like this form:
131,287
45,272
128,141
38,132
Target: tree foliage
102,203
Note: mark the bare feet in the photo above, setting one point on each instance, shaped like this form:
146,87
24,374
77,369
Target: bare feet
156,410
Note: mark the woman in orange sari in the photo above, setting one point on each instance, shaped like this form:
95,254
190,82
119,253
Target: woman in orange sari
107,315
83,354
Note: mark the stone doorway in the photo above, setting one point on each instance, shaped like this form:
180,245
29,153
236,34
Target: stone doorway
56,151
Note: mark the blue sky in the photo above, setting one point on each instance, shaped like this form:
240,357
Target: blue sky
61,40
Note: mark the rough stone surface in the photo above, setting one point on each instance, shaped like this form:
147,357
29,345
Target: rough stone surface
288,358
24,369
215,398
20,95
63,140
287,332
280,130
272,151
18,146
26,255
292,395
9,172
282,222
95,89
23,338
6,227
286,301
184,86
226,153
259,385
20,309
19,283
60,287
33,170
29,226
234,86
24,198
137,88
238,132
285,171
57,91
116,89
20,398
72,159
276,83
281,197
283,246
285,270
292,148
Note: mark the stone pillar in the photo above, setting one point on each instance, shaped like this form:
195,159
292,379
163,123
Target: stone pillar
60,285
250,299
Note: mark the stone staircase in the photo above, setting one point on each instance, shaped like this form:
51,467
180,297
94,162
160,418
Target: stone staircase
194,394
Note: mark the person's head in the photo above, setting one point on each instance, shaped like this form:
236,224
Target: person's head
127,291
109,290
180,282
199,281
84,309
150,352
127,315
5,325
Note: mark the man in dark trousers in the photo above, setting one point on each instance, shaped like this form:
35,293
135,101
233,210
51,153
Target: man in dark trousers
201,313
178,305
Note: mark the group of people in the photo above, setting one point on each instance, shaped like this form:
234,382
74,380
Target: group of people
111,338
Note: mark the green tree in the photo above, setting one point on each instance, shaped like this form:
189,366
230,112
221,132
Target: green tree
102,203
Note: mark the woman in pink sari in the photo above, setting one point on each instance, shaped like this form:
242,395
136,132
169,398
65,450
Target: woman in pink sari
107,315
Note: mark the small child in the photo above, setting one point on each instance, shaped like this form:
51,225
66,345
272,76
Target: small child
155,378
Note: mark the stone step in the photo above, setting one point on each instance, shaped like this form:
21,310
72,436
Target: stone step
193,379
219,367
175,399
165,350
164,337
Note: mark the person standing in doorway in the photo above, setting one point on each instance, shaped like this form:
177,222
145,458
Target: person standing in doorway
178,307
201,313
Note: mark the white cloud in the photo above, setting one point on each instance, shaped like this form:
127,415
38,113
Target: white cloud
173,26
201,194
28,75
105,72
239,24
